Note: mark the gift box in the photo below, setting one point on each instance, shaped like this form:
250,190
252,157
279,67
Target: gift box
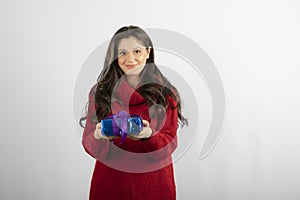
122,124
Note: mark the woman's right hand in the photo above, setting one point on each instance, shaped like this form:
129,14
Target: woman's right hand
99,136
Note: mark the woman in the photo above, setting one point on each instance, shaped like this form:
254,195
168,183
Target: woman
141,166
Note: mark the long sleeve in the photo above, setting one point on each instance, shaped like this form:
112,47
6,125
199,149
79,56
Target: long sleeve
96,148
163,142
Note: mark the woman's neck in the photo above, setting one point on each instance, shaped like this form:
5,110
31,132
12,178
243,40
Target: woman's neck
133,80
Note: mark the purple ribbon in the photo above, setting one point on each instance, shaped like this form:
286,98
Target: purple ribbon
122,124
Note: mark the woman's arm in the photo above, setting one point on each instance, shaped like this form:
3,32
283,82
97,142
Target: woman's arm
96,148
163,143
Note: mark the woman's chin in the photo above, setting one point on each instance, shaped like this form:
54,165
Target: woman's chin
134,71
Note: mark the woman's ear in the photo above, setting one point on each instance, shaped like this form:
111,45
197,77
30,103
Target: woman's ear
149,50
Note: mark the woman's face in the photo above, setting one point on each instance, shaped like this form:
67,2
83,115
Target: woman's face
132,56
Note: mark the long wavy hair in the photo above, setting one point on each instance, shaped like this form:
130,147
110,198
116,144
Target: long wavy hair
154,86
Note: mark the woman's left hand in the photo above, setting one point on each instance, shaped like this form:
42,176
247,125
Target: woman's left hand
145,133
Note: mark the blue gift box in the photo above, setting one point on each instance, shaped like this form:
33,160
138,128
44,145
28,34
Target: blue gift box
122,124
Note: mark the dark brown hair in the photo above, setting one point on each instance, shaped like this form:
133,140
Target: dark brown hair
155,87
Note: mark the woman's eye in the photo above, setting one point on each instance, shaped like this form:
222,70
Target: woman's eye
122,53
137,51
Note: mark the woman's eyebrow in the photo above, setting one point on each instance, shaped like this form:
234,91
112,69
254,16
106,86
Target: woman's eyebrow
131,49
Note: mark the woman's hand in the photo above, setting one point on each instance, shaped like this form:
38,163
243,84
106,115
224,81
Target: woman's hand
145,133
99,136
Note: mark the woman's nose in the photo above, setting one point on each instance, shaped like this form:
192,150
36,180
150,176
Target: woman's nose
130,56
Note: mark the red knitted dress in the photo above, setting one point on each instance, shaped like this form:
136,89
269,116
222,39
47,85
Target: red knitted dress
136,169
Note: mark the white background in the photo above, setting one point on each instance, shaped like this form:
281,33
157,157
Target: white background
254,45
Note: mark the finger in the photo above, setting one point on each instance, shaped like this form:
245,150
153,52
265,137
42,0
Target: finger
112,137
146,123
104,137
145,133
98,126
98,135
134,138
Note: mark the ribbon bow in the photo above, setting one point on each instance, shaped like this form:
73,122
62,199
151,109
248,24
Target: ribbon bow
122,124
120,120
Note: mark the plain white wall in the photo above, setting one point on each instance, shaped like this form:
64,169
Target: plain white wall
254,45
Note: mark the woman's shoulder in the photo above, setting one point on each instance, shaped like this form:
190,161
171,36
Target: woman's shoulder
172,101
92,92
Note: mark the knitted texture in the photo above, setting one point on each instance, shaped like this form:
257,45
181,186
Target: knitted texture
146,176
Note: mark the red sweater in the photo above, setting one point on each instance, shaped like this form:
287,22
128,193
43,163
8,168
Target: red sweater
135,169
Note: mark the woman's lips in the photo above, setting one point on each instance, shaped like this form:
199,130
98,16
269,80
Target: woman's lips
131,66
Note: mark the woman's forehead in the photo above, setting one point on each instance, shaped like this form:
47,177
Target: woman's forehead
129,43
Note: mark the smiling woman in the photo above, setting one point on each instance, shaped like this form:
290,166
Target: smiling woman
130,79
132,57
